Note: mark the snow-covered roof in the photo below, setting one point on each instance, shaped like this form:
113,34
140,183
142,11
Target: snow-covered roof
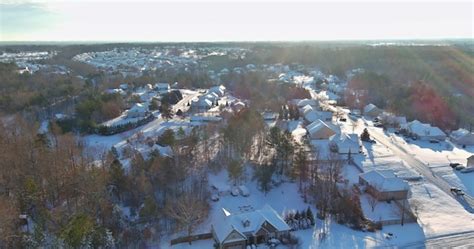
304,102
138,107
312,116
306,109
460,133
319,125
370,107
203,102
384,180
162,86
247,222
421,129
219,90
346,142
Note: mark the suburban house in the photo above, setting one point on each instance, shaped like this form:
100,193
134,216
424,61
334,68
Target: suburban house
137,110
238,106
462,137
425,131
345,143
320,130
392,120
162,87
310,102
371,110
237,230
218,90
470,161
269,116
202,104
313,115
384,185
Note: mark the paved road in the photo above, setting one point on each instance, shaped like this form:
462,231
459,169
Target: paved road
459,240
467,201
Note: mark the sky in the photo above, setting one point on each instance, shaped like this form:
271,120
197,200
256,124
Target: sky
154,20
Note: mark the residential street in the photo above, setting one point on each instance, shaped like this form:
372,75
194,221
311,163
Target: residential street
467,201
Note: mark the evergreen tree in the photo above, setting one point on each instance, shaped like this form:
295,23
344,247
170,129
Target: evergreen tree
310,216
365,136
235,170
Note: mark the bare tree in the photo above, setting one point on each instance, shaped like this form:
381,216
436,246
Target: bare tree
188,211
372,201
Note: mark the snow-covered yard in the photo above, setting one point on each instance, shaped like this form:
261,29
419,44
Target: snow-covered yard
438,213
285,198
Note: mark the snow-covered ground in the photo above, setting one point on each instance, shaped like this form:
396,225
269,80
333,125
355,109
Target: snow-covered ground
438,213
286,197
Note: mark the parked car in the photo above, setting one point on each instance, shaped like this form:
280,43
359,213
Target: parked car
434,141
454,165
460,167
235,191
457,191
343,119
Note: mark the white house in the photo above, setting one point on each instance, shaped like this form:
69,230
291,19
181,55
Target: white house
425,131
237,230
320,130
345,143
462,137
371,110
137,110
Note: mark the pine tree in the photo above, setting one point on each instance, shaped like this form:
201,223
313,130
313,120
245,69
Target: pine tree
310,216
365,136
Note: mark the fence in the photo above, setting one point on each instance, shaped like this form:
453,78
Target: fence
186,239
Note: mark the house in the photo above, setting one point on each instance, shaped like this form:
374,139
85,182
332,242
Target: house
462,137
124,86
470,161
162,87
304,102
345,143
202,104
137,110
205,119
237,230
306,109
425,131
372,111
320,130
269,116
238,106
312,116
218,90
384,185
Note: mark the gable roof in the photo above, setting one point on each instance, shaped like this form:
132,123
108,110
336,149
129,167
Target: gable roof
228,222
319,125
370,107
384,180
422,129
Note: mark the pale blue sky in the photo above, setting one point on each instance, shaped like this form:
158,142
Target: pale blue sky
147,20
